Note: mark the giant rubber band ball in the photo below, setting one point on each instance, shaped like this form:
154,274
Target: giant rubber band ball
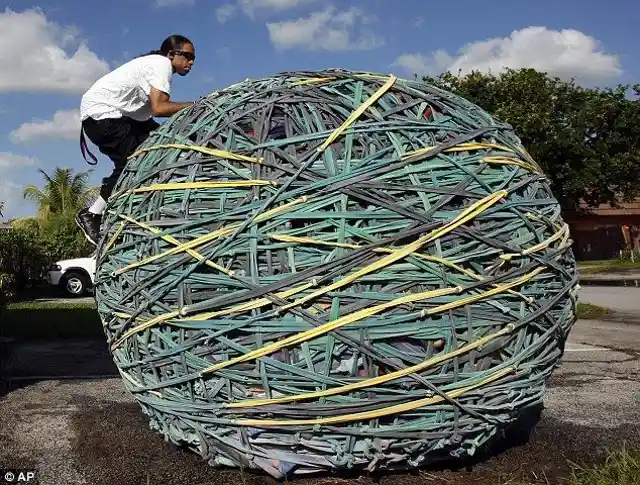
321,271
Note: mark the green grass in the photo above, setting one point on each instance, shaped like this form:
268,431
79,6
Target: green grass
51,305
50,319
621,467
589,311
604,266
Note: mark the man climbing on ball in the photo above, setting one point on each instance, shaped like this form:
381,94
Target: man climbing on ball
117,114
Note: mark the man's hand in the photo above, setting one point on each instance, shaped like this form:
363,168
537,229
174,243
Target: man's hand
161,107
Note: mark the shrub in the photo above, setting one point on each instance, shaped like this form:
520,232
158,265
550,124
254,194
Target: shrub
6,289
27,251
62,239
23,257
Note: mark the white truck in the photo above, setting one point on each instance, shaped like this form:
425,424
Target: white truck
75,277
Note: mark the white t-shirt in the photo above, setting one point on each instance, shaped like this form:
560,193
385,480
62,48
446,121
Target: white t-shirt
124,91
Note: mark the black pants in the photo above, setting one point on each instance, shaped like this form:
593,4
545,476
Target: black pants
117,138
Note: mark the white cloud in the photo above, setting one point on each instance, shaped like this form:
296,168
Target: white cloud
251,8
327,30
564,53
13,161
225,12
38,55
64,125
11,195
10,191
174,3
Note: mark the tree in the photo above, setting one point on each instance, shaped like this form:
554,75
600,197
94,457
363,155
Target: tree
587,140
28,250
64,193
23,258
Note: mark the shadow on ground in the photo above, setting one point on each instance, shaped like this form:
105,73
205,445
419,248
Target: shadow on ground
23,362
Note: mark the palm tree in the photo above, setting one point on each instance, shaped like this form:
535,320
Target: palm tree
64,193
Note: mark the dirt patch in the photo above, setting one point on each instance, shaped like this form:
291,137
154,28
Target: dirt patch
113,444
573,381
118,433
628,318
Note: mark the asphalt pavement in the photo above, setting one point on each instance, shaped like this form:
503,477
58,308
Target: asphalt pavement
623,299
89,430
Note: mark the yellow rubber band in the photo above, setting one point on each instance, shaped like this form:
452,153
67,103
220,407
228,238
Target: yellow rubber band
376,381
378,413
182,247
356,114
330,326
199,185
207,151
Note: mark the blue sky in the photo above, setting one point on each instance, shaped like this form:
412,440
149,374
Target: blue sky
52,51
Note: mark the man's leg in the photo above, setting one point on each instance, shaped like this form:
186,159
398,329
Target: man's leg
117,139
89,219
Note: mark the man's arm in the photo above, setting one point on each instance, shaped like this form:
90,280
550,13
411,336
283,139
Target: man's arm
161,107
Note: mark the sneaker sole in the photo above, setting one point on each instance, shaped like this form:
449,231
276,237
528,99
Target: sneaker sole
86,235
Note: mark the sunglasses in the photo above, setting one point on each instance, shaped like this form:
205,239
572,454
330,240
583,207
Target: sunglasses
189,56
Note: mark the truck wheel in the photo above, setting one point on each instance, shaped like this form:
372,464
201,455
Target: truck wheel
74,284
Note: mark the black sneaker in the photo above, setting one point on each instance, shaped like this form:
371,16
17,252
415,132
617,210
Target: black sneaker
89,224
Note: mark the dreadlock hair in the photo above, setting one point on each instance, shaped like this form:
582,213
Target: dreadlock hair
174,42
